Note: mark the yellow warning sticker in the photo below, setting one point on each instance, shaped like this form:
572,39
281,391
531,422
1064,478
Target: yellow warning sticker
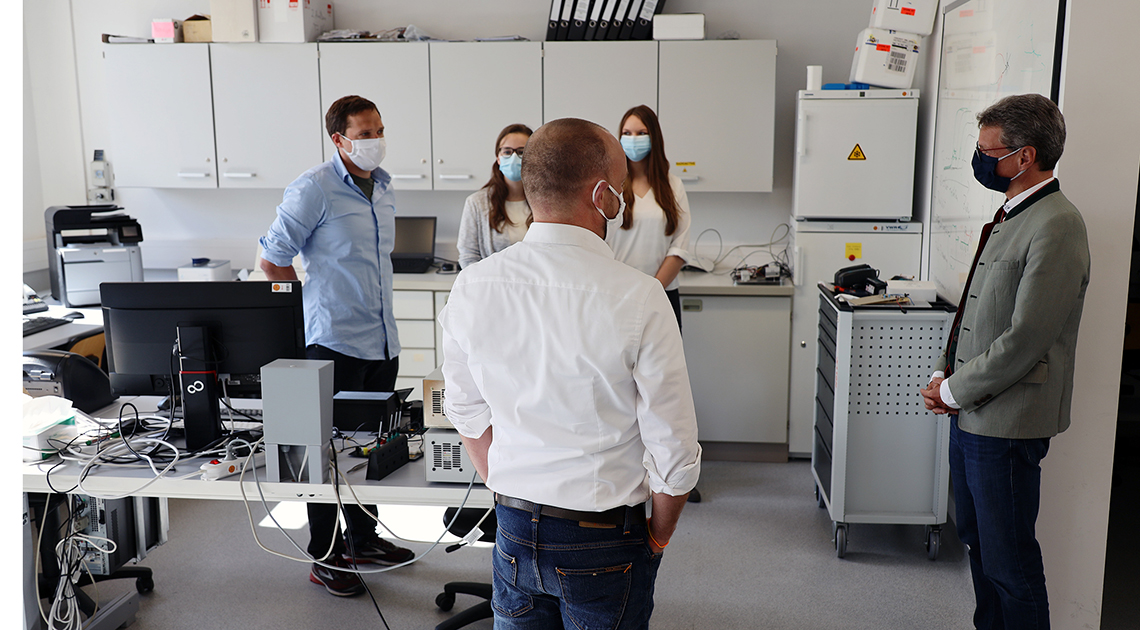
857,154
853,251
686,163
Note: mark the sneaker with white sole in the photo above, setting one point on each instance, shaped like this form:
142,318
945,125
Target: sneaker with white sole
335,581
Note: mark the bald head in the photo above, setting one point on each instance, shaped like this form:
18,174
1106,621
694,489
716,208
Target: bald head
563,160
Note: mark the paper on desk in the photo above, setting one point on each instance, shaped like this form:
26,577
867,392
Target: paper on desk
48,423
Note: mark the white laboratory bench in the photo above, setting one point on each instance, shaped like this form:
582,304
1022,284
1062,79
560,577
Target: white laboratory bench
737,341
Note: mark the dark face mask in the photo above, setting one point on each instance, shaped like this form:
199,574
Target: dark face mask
985,171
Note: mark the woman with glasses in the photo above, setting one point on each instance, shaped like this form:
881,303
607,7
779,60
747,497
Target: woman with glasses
655,233
497,215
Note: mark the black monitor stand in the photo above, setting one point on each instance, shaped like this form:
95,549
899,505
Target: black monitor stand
199,384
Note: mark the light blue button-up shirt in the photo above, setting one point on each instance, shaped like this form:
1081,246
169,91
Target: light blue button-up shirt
345,242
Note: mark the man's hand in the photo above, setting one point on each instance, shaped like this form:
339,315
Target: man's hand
933,398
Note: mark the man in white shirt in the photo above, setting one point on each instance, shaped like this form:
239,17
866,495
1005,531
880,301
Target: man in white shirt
566,375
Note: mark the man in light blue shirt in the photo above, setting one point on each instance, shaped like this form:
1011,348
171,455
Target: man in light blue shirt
340,217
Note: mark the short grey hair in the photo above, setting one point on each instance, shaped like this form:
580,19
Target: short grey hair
1028,120
561,157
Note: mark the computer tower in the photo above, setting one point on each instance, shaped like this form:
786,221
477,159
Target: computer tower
135,524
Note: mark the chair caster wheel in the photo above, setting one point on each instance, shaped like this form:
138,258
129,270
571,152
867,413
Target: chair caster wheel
445,601
144,585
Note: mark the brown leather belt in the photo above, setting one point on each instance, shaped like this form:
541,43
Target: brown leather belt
615,516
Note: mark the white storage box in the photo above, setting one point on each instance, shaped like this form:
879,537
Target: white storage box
679,26
293,21
918,290
907,16
233,20
166,30
214,270
885,59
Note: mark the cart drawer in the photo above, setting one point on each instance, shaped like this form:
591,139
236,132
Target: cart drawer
821,463
824,425
827,313
825,363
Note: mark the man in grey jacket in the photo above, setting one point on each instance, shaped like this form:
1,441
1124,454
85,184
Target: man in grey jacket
1006,377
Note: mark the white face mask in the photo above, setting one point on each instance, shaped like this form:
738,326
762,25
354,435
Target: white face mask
620,216
367,153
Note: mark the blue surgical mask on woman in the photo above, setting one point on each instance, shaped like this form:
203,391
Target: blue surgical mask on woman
636,147
511,167
985,171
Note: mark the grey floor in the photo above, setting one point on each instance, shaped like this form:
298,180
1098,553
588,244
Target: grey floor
756,552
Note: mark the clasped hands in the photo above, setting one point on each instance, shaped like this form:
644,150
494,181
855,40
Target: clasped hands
933,397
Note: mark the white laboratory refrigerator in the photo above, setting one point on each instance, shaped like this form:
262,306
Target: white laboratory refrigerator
820,249
854,154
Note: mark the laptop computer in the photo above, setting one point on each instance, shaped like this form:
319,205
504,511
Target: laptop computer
414,251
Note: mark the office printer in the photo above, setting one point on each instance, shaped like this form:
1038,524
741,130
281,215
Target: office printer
88,245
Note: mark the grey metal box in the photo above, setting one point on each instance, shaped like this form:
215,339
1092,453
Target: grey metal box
297,409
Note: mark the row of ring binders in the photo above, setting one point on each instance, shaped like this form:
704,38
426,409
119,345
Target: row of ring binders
595,20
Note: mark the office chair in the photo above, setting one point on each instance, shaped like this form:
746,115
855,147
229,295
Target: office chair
445,600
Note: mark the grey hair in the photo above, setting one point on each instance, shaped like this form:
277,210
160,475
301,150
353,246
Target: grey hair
1028,120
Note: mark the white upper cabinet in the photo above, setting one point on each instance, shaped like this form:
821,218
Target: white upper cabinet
160,115
477,88
395,77
717,111
268,130
578,80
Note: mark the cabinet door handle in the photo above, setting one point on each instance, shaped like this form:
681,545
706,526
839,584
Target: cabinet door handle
408,176
189,175
468,176
689,178
239,175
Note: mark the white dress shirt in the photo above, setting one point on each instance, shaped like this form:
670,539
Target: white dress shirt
944,388
576,362
644,245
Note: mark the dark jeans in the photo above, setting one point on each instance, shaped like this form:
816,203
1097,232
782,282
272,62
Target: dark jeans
997,492
354,375
675,301
553,573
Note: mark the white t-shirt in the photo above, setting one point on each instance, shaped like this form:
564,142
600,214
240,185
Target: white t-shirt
517,213
644,245
576,362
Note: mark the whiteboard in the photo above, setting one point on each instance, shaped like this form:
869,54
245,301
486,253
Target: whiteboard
990,49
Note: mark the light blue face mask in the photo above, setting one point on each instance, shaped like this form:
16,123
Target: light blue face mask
636,147
511,167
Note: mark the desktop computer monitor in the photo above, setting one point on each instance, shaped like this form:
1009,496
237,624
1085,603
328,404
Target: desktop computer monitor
198,340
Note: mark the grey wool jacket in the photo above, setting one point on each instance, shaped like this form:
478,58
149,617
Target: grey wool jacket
1013,372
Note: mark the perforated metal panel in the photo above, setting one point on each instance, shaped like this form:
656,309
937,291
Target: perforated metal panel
891,359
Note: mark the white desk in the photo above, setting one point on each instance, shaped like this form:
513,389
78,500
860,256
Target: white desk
406,486
92,323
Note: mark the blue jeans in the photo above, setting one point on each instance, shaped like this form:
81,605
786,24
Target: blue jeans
553,573
997,492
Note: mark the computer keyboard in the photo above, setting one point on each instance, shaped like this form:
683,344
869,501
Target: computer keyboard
34,325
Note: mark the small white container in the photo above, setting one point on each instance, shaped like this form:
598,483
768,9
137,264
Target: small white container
212,271
907,16
918,290
885,59
679,26
293,21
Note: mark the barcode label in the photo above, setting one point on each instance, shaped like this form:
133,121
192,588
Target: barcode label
897,62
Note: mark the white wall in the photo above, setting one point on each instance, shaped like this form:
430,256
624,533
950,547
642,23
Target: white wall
1098,173
181,224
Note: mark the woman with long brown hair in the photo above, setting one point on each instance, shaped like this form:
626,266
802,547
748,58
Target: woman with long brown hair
497,215
655,234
